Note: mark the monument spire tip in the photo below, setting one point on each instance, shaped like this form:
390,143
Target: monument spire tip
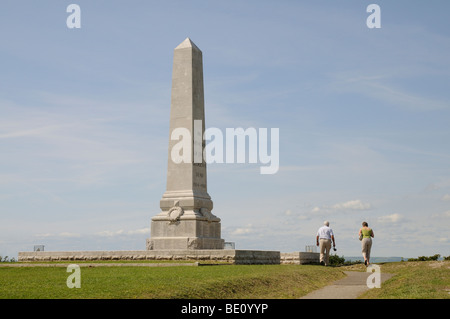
187,43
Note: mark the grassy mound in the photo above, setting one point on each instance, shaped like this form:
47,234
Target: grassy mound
412,280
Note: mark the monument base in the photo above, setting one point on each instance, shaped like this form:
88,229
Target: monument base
231,256
193,230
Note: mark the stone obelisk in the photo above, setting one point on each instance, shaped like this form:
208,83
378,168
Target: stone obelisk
185,220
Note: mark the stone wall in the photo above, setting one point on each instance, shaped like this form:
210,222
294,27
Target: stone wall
232,256
217,255
300,258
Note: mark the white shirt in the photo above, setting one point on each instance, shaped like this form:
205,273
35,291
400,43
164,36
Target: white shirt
325,232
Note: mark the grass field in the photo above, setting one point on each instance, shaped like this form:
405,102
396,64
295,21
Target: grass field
183,282
425,280
414,280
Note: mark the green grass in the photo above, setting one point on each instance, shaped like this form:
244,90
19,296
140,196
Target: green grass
414,280
68,262
182,282
424,280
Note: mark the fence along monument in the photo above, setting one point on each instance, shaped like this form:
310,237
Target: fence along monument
185,220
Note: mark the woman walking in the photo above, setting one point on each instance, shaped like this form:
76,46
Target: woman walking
366,235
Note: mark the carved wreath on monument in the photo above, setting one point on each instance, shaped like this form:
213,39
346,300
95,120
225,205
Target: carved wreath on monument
175,213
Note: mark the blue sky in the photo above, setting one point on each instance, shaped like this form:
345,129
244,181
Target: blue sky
363,114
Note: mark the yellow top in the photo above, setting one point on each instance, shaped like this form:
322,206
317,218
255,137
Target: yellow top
366,232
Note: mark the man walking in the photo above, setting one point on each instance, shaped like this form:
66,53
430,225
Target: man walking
326,236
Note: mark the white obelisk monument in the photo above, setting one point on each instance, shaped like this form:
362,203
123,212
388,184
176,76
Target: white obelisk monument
185,220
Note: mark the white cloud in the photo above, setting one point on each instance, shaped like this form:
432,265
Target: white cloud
60,235
385,88
315,209
394,218
446,198
407,99
442,215
39,131
145,230
109,233
242,230
445,214
352,205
